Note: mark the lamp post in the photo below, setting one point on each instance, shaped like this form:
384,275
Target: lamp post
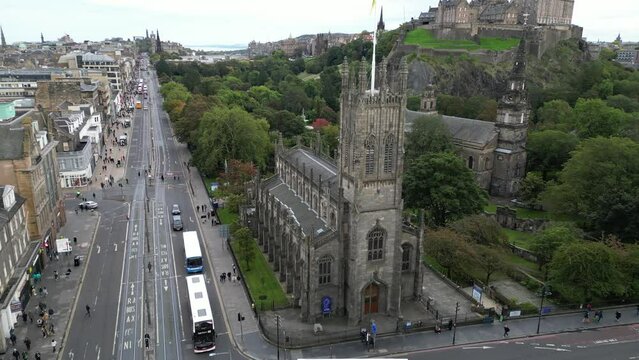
543,296
455,323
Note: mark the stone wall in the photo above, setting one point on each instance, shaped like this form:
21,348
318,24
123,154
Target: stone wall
507,218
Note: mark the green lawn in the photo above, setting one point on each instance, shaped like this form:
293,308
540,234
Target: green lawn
519,238
426,39
261,280
227,217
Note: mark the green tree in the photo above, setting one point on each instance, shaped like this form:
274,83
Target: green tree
413,103
555,115
330,138
582,270
187,124
428,134
482,230
594,118
448,248
330,81
231,133
549,150
531,188
623,102
489,260
246,246
546,243
287,123
600,186
441,184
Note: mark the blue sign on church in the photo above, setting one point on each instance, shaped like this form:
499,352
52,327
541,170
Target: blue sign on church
326,305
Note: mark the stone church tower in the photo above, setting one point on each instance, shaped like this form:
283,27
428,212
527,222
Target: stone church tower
370,180
513,113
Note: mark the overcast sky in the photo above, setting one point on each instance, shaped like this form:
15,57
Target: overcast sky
204,22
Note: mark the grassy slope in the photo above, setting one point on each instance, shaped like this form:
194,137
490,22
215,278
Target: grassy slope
426,39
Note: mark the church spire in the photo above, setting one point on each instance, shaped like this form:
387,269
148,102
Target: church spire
147,33
42,38
158,43
380,24
3,42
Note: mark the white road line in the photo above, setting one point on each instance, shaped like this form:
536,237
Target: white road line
117,315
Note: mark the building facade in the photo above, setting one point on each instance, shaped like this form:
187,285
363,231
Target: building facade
17,257
333,230
28,161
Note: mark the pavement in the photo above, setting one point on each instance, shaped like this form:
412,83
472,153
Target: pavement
61,292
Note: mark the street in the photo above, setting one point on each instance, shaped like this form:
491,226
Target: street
127,298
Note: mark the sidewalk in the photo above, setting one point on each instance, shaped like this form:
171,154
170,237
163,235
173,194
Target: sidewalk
61,292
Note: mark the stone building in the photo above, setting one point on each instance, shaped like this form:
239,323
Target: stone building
28,161
494,151
333,230
18,260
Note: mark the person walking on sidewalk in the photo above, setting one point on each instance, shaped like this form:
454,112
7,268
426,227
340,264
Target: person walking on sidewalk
16,354
13,339
53,344
506,330
617,316
27,343
88,311
37,356
55,274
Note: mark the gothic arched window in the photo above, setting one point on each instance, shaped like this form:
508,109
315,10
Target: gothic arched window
406,253
389,154
375,240
333,219
370,155
471,162
325,263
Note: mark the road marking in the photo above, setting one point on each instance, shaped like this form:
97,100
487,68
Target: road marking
98,248
552,348
71,355
477,347
605,341
115,245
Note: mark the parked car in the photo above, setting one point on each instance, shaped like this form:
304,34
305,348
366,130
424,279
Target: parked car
175,210
88,205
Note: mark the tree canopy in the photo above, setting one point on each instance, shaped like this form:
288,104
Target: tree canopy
600,186
441,184
428,134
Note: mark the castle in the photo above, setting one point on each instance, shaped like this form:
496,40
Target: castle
460,19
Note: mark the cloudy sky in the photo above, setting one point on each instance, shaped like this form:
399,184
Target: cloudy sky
205,22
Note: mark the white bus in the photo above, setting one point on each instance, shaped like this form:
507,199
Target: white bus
192,252
201,315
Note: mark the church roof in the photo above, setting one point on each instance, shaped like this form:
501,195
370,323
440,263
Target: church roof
461,129
320,166
301,213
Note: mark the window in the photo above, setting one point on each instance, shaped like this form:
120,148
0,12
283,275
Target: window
406,249
370,155
376,243
471,162
333,222
325,270
389,152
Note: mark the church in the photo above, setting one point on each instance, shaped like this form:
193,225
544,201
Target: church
333,229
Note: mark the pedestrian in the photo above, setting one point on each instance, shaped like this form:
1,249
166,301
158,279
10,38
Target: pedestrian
53,344
586,318
13,338
45,292
16,354
44,331
197,208
637,310
506,330
25,355
589,307
55,272
24,316
149,266
27,343
88,310
233,268
617,316
37,356
228,275
75,240
51,329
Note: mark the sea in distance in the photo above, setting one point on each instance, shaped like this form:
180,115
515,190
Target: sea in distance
222,47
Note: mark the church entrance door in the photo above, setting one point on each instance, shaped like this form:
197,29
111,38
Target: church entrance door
371,299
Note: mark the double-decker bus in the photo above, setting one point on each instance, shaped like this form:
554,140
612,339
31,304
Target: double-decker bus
192,252
201,315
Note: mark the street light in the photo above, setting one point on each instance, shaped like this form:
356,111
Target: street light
543,296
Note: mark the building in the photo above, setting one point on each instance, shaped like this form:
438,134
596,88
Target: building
78,132
333,230
494,151
105,63
625,57
18,260
28,161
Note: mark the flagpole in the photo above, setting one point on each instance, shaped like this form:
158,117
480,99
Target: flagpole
374,51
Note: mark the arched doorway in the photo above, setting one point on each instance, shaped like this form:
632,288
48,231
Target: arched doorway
371,299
